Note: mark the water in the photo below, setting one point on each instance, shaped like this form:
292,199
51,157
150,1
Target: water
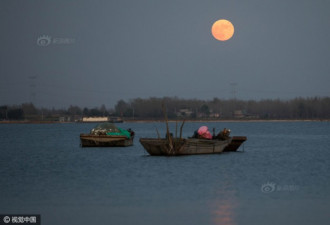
282,177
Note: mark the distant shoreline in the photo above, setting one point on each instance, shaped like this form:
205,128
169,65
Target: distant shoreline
171,121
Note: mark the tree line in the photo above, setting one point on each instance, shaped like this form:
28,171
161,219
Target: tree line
178,108
298,108
28,111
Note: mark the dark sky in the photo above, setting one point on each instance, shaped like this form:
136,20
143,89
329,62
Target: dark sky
99,52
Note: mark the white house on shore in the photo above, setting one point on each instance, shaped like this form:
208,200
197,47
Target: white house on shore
95,119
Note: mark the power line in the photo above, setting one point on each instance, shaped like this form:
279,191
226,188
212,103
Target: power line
233,90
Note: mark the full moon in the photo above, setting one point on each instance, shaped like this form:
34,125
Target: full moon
222,30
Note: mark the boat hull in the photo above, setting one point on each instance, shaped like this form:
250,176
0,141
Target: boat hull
190,146
88,140
235,143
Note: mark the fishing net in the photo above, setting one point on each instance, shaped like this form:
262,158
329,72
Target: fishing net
109,129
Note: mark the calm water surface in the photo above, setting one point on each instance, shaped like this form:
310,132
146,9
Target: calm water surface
282,177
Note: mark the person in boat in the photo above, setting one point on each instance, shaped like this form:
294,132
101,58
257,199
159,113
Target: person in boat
195,135
223,135
131,132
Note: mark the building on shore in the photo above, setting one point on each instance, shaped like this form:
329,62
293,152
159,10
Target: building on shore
95,119
101,119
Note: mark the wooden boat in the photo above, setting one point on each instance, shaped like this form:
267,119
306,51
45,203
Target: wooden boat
235,143
198,144
107,135
177,146
89,140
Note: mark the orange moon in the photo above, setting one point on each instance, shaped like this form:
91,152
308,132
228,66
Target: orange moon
222,30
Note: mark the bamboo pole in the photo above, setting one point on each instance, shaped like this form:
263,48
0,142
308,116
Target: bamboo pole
181,128
176,129
157,133
168,135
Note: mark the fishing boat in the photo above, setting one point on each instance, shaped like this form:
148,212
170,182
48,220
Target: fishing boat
107,135
88,140
183,146
202,142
